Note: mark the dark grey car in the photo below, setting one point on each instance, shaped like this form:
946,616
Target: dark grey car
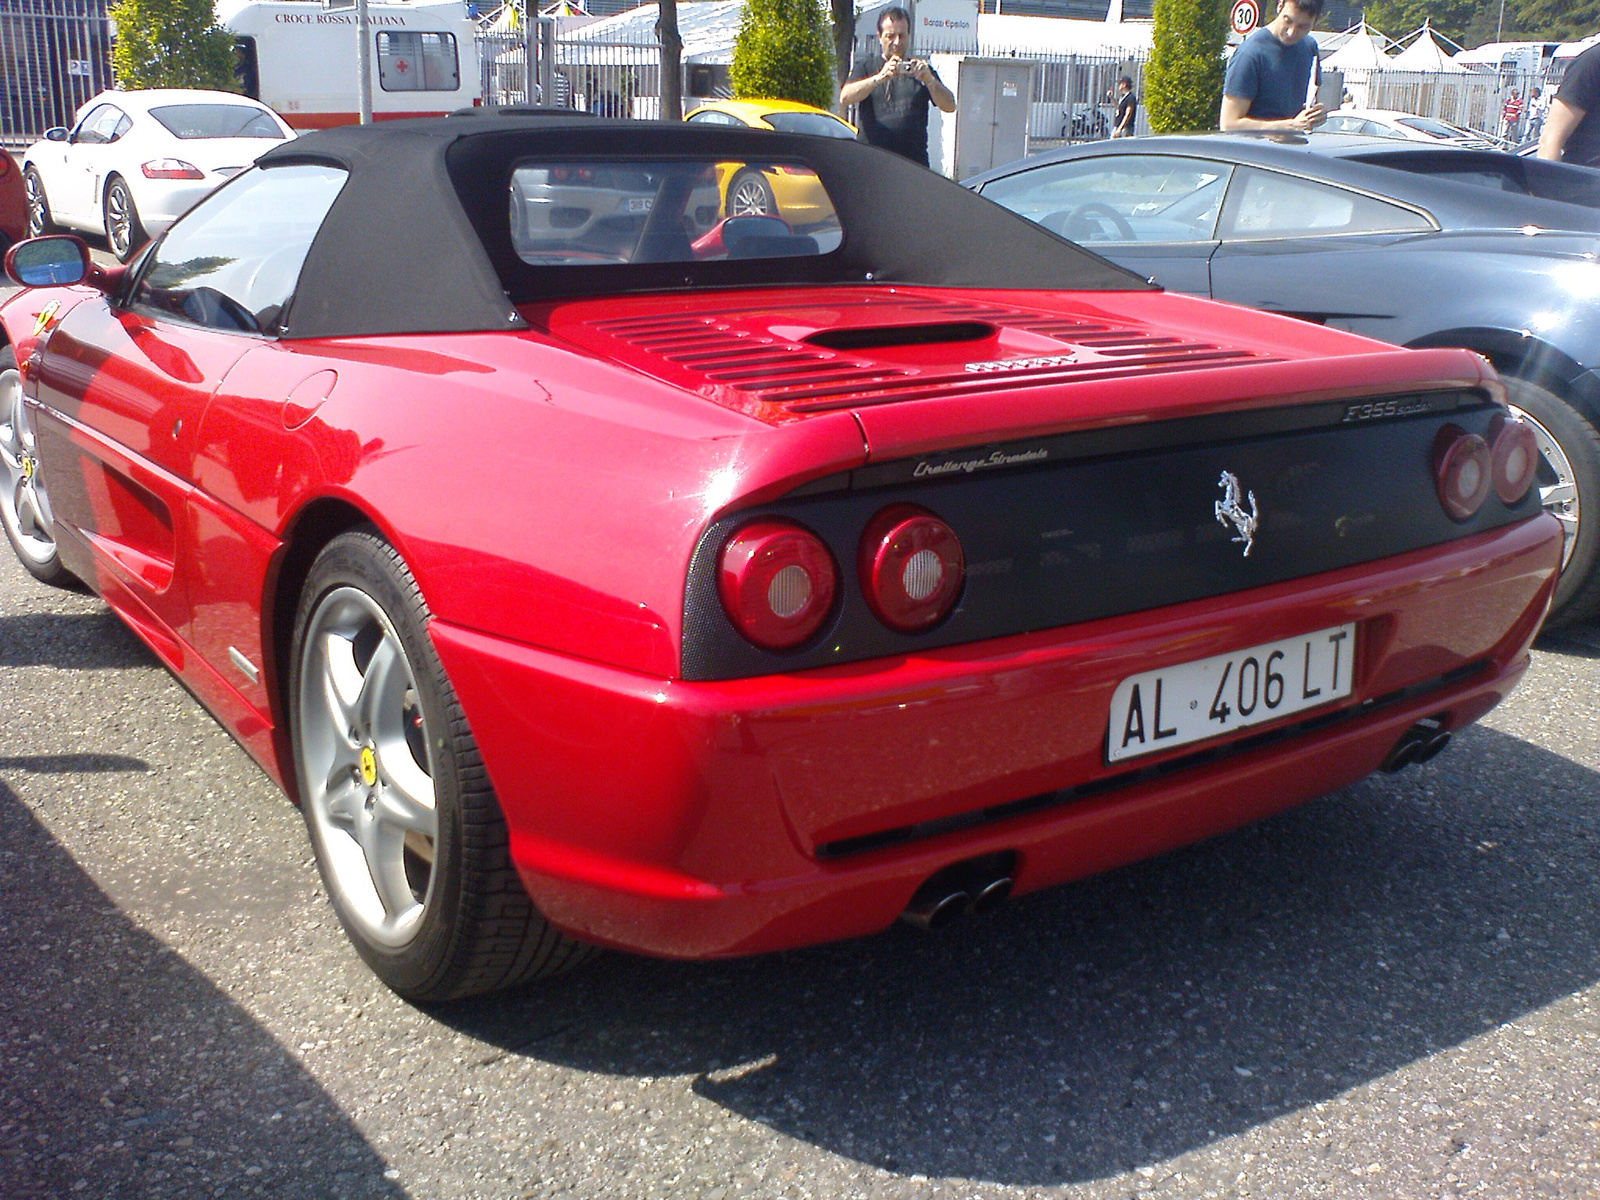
1406,242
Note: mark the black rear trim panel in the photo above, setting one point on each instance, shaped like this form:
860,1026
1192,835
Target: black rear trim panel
1119,521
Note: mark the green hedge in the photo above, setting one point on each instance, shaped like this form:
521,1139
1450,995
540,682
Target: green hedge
1183,80
784,52
171,43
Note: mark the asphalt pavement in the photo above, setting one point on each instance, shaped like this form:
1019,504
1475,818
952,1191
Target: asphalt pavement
1391,992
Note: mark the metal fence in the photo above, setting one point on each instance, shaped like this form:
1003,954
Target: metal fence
54,55
1075,96
1471,100
518,67
613,78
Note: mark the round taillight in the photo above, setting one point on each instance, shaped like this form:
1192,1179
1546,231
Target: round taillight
776,582
1461,472
911,568
1514,460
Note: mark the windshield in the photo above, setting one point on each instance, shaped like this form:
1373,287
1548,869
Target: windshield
819,124
1432,128
1119,197
191,121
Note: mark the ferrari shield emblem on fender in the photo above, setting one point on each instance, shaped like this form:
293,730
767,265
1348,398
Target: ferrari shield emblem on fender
46,317
1230,510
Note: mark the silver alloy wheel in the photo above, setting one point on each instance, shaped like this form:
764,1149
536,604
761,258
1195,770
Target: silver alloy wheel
750,197
1561,499
365,763
119,219
38,207
24,506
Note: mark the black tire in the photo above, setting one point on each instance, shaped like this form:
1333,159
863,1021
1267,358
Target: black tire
24,503
39,220
1577,504
125,232
456,920
749,195
519,223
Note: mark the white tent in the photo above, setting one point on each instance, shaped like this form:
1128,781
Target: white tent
1363,50
1426,54
1327,43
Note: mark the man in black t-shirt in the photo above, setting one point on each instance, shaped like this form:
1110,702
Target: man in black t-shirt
1572,123
892,92
1127,108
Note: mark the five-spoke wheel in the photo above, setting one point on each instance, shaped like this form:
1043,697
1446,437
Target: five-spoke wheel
125,232
1569,486
369,793
24,504
39,220
407,832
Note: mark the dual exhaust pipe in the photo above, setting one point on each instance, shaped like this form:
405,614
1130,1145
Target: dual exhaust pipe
1417,745
980,885
963,889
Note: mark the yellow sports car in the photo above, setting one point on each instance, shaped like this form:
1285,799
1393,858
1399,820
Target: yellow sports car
773,189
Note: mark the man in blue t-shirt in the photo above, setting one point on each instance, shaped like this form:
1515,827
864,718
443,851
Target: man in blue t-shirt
1269,77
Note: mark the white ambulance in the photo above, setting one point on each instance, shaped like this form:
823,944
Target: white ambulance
299,59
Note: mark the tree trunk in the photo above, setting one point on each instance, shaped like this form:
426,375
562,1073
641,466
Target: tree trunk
844,36
671,61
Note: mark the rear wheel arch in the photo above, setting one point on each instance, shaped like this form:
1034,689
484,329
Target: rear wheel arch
1513,352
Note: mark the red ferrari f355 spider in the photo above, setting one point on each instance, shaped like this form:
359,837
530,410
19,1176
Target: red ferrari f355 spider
596,569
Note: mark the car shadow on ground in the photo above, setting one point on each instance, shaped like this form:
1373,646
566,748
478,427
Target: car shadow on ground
1581,640
1130,1018
82,641
128,1074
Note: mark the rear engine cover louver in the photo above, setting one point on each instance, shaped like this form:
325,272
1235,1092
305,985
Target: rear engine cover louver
759,360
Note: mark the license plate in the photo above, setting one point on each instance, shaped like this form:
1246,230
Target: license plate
1193,701
640,204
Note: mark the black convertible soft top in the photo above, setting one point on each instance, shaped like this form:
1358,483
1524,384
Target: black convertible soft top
418,240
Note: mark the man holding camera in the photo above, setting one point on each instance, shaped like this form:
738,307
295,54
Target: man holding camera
892,92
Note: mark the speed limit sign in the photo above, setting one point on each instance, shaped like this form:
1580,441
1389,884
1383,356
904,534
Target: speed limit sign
1245,16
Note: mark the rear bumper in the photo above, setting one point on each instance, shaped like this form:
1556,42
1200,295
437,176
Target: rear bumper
711,819
161,202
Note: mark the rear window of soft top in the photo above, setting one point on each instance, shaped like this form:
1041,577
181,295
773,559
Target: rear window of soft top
594,212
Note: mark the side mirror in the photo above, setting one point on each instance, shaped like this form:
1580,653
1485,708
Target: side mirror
59,261
59,133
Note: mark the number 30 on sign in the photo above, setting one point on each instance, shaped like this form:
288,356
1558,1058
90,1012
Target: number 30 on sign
1245,16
